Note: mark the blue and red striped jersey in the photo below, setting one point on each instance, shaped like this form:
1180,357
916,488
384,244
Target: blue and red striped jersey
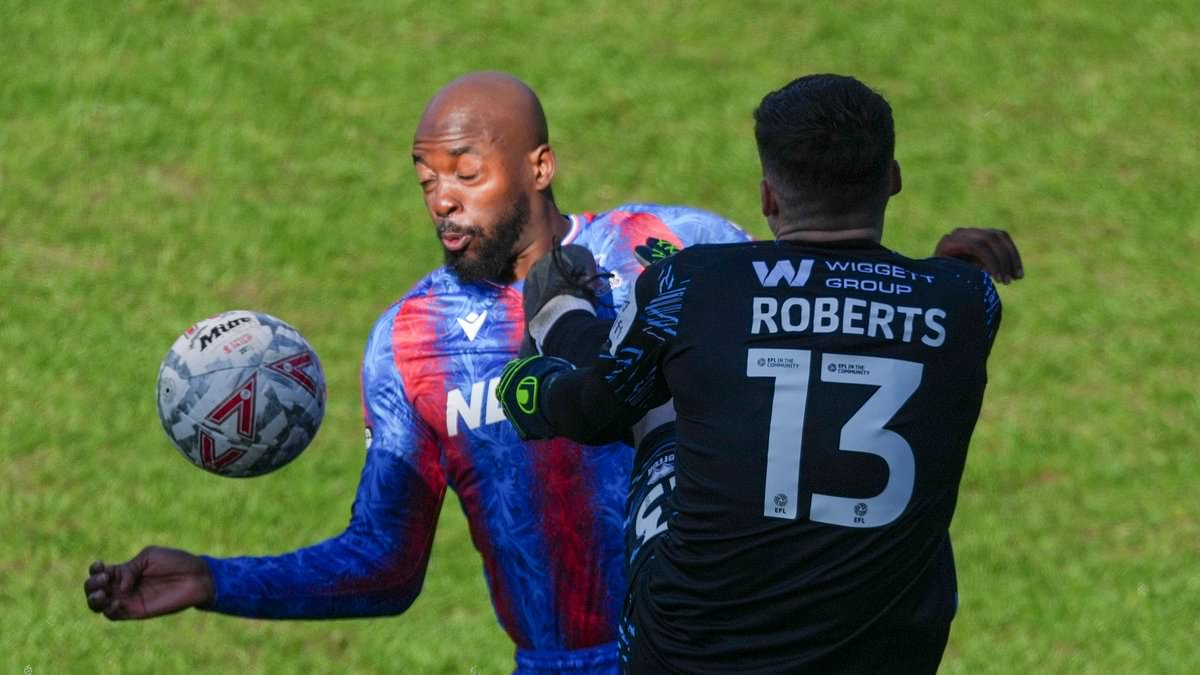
546,517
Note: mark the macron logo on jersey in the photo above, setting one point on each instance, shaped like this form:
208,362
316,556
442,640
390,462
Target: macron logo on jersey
783,271
472,324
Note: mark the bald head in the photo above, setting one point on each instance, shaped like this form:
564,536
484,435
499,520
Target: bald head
492,104
482,156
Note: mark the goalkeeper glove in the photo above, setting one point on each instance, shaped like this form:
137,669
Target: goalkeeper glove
520,391
654,250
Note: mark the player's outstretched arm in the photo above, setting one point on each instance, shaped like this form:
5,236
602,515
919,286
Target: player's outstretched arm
377,565
992,251
155,582
374,568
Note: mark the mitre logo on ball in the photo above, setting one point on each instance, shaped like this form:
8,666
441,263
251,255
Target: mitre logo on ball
241,393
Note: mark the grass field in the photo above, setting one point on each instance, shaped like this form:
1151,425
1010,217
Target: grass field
164,160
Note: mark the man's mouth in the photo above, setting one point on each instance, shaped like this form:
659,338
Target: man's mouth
455,241
455,238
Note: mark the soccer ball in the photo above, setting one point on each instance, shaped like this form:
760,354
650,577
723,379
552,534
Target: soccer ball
241,394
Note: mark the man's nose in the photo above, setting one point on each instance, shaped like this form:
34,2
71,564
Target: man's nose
445,203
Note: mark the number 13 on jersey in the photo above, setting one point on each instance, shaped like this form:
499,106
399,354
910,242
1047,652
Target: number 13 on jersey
790,369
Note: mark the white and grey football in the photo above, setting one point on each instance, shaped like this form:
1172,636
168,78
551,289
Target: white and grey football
241,393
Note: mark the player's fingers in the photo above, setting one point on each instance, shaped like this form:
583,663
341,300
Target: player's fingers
97,601
125,576
95,583
114,611
96,567
1014,256
1001,247
986,247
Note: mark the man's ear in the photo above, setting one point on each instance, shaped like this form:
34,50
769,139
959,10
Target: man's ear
770,204
543,163
896,183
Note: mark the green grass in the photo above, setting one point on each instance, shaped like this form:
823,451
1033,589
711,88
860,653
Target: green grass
160,161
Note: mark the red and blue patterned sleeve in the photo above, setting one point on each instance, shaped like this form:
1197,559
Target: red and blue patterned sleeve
683,226
376,567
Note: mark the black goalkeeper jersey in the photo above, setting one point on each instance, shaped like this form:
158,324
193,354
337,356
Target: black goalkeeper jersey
826,397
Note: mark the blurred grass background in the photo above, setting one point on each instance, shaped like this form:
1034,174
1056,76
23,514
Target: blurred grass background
164,160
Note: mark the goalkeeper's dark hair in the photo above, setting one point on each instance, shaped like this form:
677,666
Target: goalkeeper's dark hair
826,143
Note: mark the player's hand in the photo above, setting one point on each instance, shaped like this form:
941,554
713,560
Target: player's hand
155,582
520,390
654,250
992,251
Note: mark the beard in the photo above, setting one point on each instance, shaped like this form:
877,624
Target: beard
494,257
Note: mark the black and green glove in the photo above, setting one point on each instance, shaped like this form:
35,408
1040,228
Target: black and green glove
520,392
654,250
